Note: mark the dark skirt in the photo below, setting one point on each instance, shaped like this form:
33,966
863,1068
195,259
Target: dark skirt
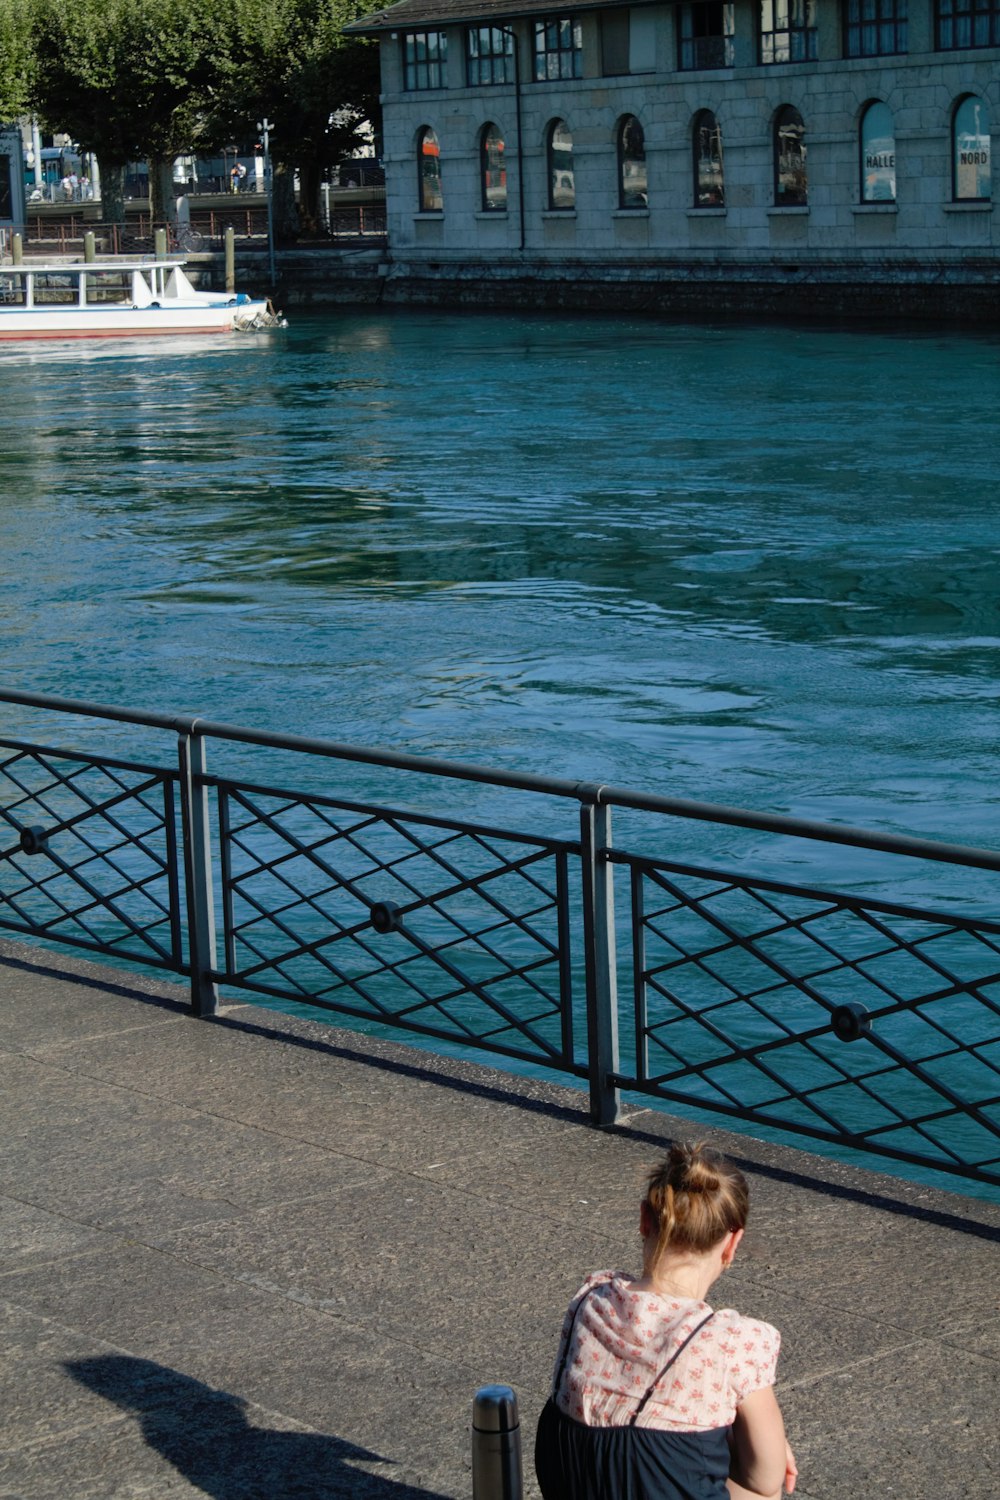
576,1462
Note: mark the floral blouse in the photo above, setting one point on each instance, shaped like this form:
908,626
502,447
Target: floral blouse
623,1337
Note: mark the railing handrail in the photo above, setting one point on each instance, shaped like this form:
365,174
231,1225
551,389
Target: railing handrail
590,792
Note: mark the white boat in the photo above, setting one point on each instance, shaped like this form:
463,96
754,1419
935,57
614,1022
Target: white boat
100,299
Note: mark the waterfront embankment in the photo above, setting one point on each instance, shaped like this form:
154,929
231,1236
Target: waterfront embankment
926,291
259,1256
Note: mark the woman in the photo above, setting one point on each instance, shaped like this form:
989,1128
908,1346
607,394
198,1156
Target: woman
655,1396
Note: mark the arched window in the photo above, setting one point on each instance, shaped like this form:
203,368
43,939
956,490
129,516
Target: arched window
431,197
970,141
492,172
709,190
562,190
878,154
632,188
790,184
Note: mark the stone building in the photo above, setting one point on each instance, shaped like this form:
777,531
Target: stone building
831,155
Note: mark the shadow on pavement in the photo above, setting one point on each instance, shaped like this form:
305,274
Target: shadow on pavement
205,1434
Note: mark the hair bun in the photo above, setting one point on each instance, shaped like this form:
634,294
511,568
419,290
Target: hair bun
696,1195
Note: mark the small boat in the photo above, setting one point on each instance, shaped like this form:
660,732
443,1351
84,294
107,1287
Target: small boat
101,299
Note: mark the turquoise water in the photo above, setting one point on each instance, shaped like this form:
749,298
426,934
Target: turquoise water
753,565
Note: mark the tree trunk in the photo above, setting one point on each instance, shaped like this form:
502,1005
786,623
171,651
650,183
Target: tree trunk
162,201
309,206
113,192
286,217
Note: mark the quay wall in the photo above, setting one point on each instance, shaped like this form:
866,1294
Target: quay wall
926,290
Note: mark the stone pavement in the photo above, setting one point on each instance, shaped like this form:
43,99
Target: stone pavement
264,1257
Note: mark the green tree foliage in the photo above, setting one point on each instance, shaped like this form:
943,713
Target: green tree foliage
17,59
134,80
291,62
128,80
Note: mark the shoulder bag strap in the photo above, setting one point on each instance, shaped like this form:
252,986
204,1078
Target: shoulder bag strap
676,1355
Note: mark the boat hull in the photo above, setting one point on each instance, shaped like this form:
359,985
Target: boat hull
124,322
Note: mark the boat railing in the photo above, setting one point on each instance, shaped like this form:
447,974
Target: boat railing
82,283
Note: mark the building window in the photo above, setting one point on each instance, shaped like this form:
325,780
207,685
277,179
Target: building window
628,41
790,184
709,191
558,49
431,197
492,171
968,23
489,55
878,155
6,193
632,186
874,28
706,34
787,31
425,54
562,190
970,137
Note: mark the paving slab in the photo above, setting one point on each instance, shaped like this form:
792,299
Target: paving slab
263,1255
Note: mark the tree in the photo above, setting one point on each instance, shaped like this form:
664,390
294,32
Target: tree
130,81
17,59
291,62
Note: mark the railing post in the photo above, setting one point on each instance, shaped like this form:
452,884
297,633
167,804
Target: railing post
230,248
198,873
601,960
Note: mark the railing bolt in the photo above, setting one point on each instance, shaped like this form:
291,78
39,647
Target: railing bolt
850,1022
34,839
386,917
496,1445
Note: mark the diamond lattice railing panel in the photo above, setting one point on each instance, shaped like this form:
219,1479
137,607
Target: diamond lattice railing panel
851,1021
439,927
88,853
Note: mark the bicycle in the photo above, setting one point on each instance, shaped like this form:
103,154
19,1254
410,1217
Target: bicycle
186,238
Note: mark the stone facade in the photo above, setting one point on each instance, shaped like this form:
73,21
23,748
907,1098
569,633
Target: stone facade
932,229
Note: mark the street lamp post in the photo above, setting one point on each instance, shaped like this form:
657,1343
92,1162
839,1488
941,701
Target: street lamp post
265,127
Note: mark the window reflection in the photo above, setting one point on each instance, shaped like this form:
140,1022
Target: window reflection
562,189
558,49
429,169
878,155
790,182
632,185
971,150
425,55
489,56
788,31
709,191
493,173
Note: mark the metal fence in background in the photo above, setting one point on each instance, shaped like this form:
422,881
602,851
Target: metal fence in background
839,1017
205,230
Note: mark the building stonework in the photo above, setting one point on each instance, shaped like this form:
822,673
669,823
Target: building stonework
921,222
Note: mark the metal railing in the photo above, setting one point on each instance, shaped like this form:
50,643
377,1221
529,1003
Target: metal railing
841,1017
205,230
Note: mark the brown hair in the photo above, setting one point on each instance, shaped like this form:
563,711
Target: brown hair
695,1197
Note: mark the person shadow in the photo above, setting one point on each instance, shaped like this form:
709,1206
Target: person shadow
205,1435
